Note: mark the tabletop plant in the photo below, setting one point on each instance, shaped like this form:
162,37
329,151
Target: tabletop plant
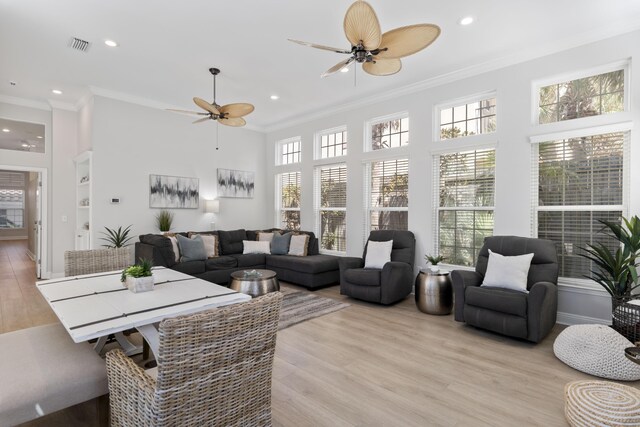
434,260
116,238
143,269
164,219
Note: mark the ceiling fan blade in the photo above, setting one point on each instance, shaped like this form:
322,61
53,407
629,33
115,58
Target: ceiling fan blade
233,121
405,41
205,105
204,119
382,67
339,66
319,46
236,110
361,25
187,112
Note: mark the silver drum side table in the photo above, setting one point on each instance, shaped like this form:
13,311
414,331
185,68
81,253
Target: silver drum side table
434,293
254,282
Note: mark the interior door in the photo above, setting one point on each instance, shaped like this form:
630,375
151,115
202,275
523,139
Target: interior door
37,227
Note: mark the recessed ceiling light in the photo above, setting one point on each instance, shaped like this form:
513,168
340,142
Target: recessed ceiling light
39,137
274,97
111,43
466,20
344,70
5,130
57,92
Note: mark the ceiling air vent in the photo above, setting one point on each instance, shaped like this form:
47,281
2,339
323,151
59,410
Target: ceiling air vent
79,44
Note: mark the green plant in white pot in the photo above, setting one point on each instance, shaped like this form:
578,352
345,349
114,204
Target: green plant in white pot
139,277
434,261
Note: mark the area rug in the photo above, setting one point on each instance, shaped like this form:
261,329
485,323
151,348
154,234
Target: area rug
298,306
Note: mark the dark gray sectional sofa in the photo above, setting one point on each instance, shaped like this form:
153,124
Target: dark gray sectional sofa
311,271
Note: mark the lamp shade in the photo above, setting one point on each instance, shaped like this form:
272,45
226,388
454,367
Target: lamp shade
212,206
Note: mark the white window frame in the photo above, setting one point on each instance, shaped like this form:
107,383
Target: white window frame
368,141
456,103
577,133
317,208
282,143
278,201
575,75
317,151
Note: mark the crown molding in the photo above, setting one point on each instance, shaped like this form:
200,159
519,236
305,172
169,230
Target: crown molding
474,70
58,105
24,102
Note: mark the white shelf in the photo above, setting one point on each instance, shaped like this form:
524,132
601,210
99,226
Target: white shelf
83,164
84,207
83,184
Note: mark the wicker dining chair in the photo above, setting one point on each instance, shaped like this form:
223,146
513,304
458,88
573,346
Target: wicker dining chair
214,369
96,261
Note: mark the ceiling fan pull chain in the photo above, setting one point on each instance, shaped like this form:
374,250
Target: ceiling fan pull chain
355,79
217,136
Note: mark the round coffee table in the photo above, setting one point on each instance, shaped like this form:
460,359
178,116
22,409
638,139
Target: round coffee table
254,282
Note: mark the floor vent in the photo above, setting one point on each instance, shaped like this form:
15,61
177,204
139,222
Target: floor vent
79,44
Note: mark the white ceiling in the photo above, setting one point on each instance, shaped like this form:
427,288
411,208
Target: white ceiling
167,46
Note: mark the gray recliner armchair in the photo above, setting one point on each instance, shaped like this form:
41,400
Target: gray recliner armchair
517,314
388,285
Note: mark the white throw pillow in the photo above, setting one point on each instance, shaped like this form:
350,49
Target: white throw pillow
174,244
256,247
378,254
264,237
298,244
210,244
509,272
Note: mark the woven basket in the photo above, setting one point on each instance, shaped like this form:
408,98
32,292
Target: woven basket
626,318
601,403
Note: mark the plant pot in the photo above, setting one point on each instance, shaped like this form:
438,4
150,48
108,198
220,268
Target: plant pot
140,284
434,268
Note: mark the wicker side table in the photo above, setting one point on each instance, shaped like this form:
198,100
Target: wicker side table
434,292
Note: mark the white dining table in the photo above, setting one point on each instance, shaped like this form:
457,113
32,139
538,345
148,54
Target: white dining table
96,305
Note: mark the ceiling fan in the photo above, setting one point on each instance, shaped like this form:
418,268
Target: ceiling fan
230,114
378,53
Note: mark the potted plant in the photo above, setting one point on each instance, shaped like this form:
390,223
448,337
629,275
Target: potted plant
164,218
434,261
138,277
617,272
116,238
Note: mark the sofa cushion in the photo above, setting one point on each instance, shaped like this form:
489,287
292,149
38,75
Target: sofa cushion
190,267
191,249
497,299
231,241
220,263
163,245
363,276
250,260
299,245
280,243
310,264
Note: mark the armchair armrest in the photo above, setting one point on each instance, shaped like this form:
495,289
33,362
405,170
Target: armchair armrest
346,263
396,281
461,279
542,310
129,387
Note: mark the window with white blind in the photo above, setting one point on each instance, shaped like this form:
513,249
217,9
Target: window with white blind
12,199
388,195
583,97
466,191
288,191
289,151
471,118
579,181
331,143
331,207
388,133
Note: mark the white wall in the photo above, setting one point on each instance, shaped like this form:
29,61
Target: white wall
513,212
130,142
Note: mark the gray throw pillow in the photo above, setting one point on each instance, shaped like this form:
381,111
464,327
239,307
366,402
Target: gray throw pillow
191,249
280,243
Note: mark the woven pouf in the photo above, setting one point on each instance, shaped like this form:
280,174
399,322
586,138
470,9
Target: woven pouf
596,350
601,403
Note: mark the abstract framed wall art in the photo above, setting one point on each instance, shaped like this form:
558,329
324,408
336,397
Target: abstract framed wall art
173,192
235,183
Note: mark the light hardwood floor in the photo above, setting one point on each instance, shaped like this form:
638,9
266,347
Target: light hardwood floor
369,365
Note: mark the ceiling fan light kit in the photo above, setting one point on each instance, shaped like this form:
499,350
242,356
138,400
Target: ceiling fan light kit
378,53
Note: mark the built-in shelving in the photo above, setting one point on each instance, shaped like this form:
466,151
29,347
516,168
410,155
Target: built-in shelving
84,195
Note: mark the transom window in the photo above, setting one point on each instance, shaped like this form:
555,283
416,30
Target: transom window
289,151
331,211
12,199
388,195
289,200
588,96
580,181
466,189
473,118
391,133
332,144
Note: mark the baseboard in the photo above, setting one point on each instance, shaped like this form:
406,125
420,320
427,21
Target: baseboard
31,255
576,319
13,237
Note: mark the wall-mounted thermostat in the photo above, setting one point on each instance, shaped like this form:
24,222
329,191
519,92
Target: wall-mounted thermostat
115,200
